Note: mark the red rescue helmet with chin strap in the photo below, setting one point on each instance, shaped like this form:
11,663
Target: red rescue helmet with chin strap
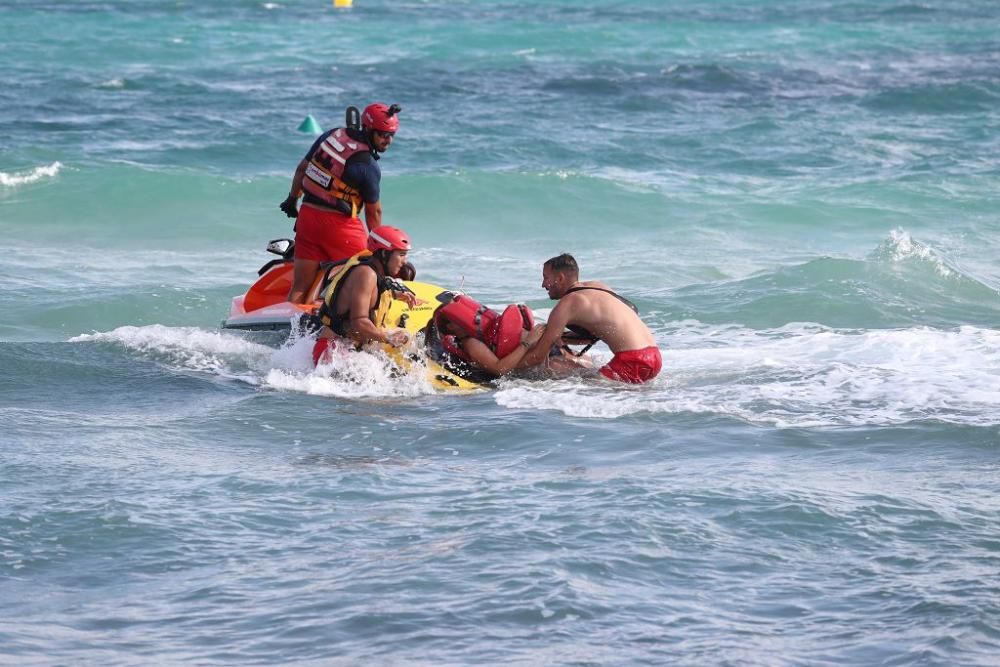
388,238
381,117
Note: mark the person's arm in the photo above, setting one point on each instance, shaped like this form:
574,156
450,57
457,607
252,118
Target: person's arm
483,356
373,214
401,292
361,286
290,205
409,297
364,174
558,319
296,189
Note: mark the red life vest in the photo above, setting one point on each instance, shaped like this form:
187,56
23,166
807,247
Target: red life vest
501,332
323,174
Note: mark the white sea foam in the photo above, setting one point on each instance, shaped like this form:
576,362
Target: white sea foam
800,376
36,174
191,349
115,83
349,375
288,368
901,247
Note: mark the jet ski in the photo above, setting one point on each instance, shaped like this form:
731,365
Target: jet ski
264,308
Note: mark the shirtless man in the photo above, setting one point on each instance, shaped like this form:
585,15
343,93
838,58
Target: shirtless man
592,308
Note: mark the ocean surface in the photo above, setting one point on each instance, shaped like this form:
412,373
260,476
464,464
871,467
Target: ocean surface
803,199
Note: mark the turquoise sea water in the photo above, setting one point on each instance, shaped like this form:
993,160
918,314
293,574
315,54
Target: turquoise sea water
802,198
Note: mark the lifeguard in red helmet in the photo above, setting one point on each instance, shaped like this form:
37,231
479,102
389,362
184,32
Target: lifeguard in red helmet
357,299
337,179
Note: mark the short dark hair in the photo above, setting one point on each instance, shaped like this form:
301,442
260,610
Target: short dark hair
564,263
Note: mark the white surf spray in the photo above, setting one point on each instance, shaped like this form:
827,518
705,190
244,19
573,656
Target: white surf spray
228,355
799,376
12,180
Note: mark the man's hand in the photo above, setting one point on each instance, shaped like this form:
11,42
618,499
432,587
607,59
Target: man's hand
397,337
531,337
290,206
409,297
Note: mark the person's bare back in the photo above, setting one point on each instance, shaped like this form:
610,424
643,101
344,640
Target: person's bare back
593,306
590,310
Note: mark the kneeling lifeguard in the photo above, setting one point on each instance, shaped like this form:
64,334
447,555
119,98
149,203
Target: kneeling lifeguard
594,312
357,299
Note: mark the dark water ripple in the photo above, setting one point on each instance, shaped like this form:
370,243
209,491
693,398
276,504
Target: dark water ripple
594,551
498,92
812,480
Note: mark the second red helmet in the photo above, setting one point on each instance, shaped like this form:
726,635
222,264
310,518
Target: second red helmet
389,238
381,117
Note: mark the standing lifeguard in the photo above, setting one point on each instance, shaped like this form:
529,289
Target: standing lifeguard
337,178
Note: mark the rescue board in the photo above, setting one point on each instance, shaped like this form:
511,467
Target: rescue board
415,320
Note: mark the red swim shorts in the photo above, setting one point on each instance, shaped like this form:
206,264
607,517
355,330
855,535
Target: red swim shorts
634,366
322,350
327,236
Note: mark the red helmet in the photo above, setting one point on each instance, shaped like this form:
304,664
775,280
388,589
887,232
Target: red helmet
388,238
381,117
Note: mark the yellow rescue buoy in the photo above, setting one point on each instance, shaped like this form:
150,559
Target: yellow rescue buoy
342,3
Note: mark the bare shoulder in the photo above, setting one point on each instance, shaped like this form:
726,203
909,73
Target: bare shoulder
564,310
363,275
360,283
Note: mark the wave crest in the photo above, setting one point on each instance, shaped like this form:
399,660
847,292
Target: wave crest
12,180
900,247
